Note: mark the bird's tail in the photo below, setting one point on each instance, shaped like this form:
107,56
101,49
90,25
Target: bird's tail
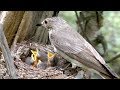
111,74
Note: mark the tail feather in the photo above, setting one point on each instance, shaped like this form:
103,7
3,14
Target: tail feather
111,74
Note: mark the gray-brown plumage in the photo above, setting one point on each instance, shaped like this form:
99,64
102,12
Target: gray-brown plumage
74,48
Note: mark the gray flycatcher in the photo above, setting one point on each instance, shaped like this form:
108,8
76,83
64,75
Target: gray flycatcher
73,47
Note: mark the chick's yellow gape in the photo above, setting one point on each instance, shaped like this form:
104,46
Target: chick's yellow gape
35,58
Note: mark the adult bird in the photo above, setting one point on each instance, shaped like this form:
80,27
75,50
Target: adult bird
73,47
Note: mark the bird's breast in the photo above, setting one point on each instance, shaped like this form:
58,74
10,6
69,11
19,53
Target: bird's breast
50,34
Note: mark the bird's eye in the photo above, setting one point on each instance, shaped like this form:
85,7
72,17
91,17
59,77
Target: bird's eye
45,22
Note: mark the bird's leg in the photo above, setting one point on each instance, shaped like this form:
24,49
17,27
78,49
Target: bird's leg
66,66
73,66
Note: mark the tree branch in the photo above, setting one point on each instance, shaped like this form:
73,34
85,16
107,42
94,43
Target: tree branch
79,22
114,58
81,26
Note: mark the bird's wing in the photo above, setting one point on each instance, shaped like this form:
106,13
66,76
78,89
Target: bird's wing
75,46
72,42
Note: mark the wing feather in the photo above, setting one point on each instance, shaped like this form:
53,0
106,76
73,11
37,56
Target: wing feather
73,42
75,46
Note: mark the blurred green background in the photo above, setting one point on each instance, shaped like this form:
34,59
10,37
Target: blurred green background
110,30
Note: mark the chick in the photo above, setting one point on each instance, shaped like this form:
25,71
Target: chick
35,58
51,60
41,59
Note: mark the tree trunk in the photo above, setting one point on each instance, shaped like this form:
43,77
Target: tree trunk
11,24
39,34
7,55
21,25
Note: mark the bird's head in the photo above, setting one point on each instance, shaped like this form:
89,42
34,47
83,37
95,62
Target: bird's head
52,23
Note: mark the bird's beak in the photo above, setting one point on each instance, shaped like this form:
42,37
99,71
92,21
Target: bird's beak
40,24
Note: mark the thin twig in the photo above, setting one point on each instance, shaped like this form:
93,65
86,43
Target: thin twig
114,58
82,29
79,22
17,34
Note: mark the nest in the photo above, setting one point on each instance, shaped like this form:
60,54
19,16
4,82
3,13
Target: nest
59,68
